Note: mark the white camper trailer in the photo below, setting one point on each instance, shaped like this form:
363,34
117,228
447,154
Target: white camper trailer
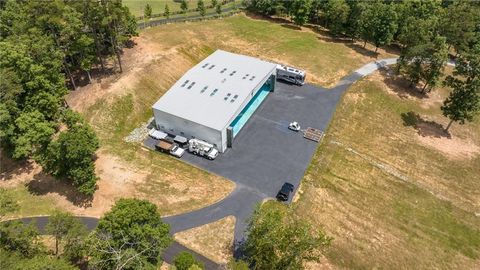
290,74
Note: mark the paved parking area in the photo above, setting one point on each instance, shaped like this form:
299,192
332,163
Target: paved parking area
266,153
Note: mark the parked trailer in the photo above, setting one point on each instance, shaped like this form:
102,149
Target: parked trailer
290,74
167,146
202,148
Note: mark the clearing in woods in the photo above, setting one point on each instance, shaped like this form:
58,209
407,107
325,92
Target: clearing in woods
117,104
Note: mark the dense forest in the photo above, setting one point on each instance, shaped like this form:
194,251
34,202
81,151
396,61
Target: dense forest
427,32
45,48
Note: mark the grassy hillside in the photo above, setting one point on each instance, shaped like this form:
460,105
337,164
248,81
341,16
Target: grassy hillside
326,62
388,191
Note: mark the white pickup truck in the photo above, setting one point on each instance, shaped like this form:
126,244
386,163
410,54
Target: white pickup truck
202,148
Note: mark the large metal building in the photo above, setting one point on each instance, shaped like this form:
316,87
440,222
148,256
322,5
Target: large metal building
215,98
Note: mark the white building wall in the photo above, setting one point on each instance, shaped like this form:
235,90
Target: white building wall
178,126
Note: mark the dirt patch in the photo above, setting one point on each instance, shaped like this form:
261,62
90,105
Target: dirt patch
213,240
454,147
134,61
401,87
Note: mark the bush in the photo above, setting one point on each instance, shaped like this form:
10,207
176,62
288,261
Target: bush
185,260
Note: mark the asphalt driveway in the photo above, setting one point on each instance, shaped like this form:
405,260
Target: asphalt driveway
265,153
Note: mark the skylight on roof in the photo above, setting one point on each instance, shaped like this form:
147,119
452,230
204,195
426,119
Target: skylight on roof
185,83
233,99
191,85
214,92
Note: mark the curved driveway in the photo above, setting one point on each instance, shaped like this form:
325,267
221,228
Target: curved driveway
241,202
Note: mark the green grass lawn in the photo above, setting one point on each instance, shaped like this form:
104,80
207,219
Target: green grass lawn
29,204
137,7
379,220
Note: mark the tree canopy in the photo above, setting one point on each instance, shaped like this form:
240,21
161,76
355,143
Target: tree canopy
277,240
132,235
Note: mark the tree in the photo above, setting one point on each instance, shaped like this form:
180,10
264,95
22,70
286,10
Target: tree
353,27
336,15
147,12
20,238
201,7
71,156
7,203
214,3
463,103
300,11
131,236
237,265
33,133
185,260
14,261
67,230
458,24
276,241
166,13
44,262
184,6
218,9
424,62
379,23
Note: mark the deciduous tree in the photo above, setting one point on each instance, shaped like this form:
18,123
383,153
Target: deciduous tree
201,7
277,241
166,13
184,6
300,10
463,103
131,236
68,233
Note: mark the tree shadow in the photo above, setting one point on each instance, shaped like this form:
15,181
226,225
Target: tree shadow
42,184
291,26
401,86
332,39
424,128
363,51
256,16
11,168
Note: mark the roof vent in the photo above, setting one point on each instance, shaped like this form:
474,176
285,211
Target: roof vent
185,83
204,89
233,72
205,65
191,85
223,70
212,66
253,77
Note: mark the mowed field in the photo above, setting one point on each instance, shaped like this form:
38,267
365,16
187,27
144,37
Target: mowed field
391,187
137,7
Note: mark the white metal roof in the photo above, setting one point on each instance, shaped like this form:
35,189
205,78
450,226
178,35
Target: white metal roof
211,92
